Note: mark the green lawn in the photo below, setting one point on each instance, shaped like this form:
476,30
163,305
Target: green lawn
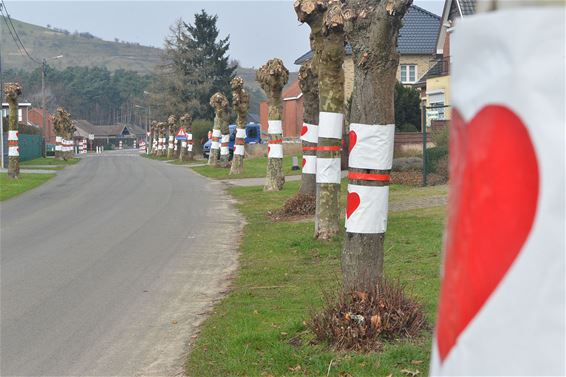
12,187
258,329
253,168
49,161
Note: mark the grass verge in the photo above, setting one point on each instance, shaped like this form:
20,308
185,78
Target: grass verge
253,168
49,161
13,187
259,330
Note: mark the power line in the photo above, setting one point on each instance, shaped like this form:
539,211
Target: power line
10,30
16,33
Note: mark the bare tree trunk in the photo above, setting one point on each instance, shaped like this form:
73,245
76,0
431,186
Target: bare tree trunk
220,104
225,141
162,140
190,143
153,141
172,130
241,104
12,92
372,31
272,77
331,122
308,80
185,125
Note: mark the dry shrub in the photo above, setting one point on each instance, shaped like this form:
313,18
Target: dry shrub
297,205
362,321
415,178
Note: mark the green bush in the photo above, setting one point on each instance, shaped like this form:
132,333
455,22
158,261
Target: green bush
440,139
434,155
200,129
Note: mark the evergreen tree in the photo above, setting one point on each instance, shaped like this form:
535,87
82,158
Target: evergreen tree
195,66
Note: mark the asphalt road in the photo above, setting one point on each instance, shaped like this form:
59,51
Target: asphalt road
107,269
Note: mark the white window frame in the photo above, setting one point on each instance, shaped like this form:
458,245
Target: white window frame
440,110
20,115
407,74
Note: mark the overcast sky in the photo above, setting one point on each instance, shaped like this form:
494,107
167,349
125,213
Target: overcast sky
259,30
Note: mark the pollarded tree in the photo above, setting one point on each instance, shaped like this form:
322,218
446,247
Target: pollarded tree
63,127
331,116
220,104
186,153
172,127
241,105
272,77
12,91
308,81
69,136
153,141
373,28
162,144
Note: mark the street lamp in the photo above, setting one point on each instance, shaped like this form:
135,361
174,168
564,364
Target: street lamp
44,116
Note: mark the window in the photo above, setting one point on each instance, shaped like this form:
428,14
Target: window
408,73
20,119
436,106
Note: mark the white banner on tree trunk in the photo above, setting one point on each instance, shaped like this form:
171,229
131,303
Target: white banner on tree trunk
366,209
241,133
371,146
309,133
190,147
13,147
275,127
328,170
309,164
502,301
239,150
330,125
189,137
275,151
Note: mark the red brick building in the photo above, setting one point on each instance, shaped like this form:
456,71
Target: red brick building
292,112
35,116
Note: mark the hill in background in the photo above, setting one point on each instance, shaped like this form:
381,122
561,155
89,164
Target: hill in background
83,49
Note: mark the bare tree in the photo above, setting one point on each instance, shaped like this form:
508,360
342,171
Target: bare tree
241,105
172,130
13,90
272,77
373,28
308,81
220,104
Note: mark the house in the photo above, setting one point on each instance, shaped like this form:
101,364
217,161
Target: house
23,111
109,134
435,84
417,49
35,117
292,111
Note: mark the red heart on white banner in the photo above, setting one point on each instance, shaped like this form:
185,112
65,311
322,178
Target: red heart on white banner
353,140
352,203
494,179
304,162
304,130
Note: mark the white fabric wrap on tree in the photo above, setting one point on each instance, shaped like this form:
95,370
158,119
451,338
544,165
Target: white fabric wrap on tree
239,150
309,164
275,127
330,125
184,144
328,170
215,144
512,60
225,150
275,151
241,133
189,136
13,150
372,146
58,141
366,209
171,138
190,147
309,133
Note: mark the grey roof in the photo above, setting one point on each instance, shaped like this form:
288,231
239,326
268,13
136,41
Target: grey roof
468,7
85,127
417,36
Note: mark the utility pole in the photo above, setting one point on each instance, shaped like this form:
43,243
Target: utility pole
1,107
44,110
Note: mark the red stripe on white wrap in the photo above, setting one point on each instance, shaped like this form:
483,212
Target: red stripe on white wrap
239,150
330,125
366,209
309,133
309,164
328,170
371,146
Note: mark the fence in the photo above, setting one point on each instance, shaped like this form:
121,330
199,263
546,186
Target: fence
30,147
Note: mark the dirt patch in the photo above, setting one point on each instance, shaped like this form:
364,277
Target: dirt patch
362,321
415,178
